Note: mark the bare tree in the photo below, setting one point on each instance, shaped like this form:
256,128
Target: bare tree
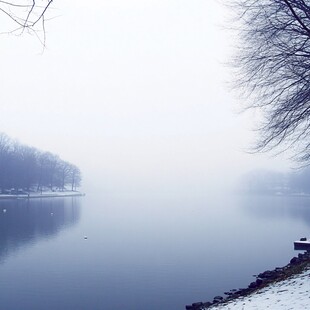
75,175
26,15
26,168
63,174
5,161
273,66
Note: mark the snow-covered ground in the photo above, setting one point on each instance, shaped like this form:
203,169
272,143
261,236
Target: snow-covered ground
44,194
290,294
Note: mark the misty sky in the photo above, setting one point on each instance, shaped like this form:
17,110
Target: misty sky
134,92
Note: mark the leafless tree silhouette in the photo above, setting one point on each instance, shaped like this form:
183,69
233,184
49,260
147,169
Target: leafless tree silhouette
26,15
273,66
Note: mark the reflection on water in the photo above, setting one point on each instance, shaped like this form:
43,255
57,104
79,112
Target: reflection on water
143,251
277,207
24,222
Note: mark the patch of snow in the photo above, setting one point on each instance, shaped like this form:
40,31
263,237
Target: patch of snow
44,194
290,294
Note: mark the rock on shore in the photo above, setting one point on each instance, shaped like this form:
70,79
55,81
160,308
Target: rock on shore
292,293
281,285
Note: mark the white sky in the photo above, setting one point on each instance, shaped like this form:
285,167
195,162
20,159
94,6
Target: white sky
133,92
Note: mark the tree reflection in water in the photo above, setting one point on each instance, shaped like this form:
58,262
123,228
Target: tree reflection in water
24,222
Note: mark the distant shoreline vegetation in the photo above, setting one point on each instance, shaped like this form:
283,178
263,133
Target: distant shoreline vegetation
26,170
276,183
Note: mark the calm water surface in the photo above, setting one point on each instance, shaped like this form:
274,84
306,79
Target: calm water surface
142,251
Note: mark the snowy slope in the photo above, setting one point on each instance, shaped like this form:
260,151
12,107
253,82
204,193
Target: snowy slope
292,293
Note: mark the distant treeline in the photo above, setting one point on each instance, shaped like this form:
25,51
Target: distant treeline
268,181
27,168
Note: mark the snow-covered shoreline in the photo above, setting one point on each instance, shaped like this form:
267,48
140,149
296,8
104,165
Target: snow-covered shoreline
283,288
288,294
45,194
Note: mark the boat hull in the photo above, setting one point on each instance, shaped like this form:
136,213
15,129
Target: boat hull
302,245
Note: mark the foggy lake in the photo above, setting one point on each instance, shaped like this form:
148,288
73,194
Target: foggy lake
141,251
138,96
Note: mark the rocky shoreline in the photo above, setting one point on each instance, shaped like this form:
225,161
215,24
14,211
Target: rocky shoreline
295,266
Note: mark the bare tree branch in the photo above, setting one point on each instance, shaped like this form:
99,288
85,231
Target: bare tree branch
273,70
27,15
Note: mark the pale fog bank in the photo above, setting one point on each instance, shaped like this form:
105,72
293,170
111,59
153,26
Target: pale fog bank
136,96
176,170
214,162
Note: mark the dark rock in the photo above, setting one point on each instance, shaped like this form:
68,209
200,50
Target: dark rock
208,304
253,285
303,239
197,305
234,296
268,275
264,275
217,299
246,291
294,261
303,257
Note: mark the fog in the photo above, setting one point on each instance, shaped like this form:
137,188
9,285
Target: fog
135,93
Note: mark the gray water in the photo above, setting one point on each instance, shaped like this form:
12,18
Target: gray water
142,251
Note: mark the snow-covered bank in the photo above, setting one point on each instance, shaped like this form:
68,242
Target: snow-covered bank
292,293
45,194
273,289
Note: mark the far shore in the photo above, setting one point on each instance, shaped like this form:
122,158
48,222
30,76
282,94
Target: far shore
45,194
